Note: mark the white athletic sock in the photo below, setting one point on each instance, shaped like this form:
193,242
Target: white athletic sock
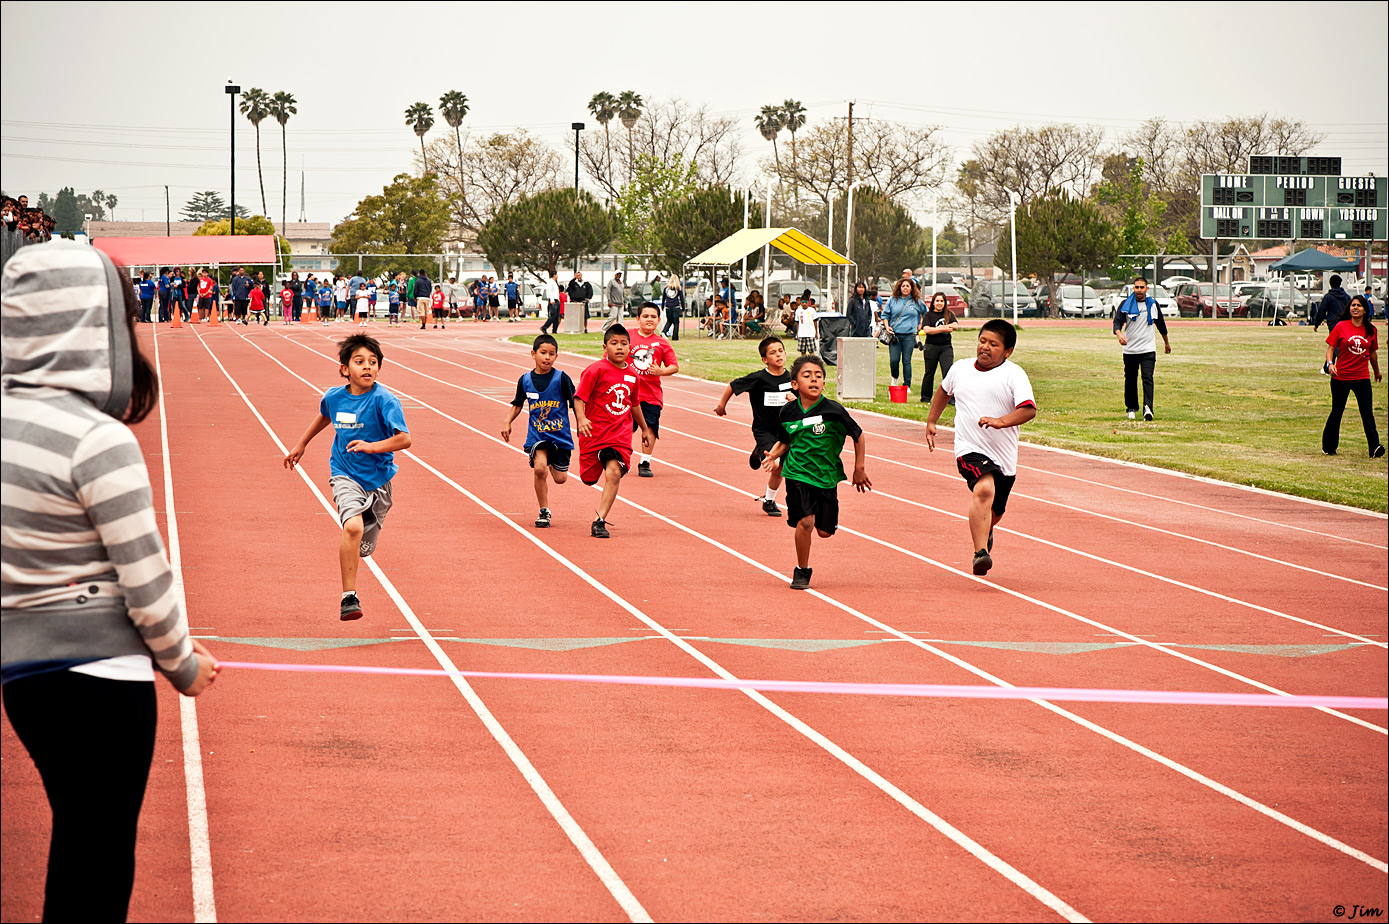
771,494
348,593
645,458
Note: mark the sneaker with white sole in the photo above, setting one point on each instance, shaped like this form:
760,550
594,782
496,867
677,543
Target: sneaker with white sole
1147,412
1133,415
542,519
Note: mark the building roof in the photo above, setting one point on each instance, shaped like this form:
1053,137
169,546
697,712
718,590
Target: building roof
140,228
202,250
307,230
1279,251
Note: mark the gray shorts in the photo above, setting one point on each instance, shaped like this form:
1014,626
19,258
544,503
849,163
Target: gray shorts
352,499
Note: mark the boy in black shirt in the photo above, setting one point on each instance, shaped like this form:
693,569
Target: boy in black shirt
768,390
813,432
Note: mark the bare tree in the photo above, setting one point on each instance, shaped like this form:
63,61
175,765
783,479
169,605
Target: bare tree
495,171
904,162
1038,161
666,130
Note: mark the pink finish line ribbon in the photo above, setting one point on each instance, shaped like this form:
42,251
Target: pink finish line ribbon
954,691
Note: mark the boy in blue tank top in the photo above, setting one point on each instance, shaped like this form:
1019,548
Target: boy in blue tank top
369,428
549,441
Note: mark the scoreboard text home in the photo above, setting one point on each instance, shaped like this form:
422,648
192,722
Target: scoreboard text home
1290,198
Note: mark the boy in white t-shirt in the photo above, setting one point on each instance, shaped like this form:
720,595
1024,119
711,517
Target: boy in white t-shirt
807,333
993,398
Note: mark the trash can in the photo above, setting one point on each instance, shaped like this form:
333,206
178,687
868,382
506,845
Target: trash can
573,322
857,372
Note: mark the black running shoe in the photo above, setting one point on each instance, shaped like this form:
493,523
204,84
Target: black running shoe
770,508
1147,413
800,579
644,470
600,529
1376,452
543,519
351,609
982,562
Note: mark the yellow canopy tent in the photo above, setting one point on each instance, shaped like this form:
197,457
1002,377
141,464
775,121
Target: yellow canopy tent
793,243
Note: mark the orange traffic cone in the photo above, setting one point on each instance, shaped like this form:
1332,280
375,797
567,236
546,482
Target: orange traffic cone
212,316
313,312
193,315
177,319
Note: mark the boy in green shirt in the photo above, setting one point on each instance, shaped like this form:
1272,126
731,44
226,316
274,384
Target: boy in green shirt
813,432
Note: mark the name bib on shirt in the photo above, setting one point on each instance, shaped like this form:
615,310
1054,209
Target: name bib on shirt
775,398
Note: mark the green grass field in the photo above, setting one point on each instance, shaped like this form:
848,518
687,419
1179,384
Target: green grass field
1241,404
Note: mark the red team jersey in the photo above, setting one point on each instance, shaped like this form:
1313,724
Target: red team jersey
436,300
609,394
646,352
287,297
1353,345
257,299
205,287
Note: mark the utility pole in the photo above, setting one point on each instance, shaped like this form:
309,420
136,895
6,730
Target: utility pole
232,90
167,231
849,180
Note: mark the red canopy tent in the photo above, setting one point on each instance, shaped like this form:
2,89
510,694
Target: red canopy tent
203,250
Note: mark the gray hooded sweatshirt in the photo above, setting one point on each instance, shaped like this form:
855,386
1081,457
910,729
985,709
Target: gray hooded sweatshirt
83,571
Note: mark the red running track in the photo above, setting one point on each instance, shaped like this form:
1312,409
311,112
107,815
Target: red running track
334,797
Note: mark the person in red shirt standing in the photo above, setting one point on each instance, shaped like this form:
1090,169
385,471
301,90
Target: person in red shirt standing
436,304
604,403
205,285
1352,350
652,357
287,301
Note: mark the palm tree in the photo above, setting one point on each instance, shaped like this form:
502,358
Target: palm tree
111,201
282,106
794,114
629,110
453,106
603,107
770,121
421,118
255,106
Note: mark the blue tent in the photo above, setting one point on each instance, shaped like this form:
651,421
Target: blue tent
1313,260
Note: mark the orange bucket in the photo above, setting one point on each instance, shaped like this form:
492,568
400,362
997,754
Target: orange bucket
897,394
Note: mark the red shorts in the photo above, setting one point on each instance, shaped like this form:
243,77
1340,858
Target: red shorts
593,461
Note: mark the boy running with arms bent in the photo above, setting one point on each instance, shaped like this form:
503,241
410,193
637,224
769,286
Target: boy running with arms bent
370,429
548,440
768,390
813,431
993,398
605,407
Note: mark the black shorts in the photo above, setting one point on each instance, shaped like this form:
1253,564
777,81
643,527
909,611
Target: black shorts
763,444
975,465
557,457
803,500
652,413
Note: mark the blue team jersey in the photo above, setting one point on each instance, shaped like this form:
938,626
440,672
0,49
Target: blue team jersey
549,410
147,287
325,297
373,416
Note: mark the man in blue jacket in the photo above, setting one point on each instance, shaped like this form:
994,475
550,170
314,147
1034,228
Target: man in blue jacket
240,293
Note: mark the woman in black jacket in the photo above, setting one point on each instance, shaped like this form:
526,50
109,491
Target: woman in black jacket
860,312
673,304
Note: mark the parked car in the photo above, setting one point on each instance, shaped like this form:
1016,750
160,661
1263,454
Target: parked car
1166,304
1194,301
1172,282
994,298
1079,302
1276,299
953,299
792,287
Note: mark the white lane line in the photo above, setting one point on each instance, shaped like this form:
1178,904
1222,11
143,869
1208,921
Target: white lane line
1081,455
1064,548
1189,773
199,842
581,841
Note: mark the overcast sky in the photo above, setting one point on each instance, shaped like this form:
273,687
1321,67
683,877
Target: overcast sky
135,100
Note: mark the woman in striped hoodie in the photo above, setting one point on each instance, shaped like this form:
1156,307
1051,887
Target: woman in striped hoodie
88,605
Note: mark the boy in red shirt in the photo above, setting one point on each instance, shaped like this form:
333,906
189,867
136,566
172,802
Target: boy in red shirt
258,312
604,402
436,304
205,285
287,300
652,357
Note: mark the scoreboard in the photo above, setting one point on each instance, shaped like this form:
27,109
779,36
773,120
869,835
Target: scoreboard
1305,205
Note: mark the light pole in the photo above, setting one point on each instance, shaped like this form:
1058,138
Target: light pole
1013,200
849,241
232,90
578,127
747,195
767,248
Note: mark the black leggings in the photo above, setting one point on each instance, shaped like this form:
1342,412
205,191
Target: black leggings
1364,398
92,740
933,357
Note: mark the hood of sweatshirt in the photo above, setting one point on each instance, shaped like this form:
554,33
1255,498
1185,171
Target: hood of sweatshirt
63,326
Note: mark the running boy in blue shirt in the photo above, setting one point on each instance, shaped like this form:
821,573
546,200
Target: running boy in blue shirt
549,441
370,428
